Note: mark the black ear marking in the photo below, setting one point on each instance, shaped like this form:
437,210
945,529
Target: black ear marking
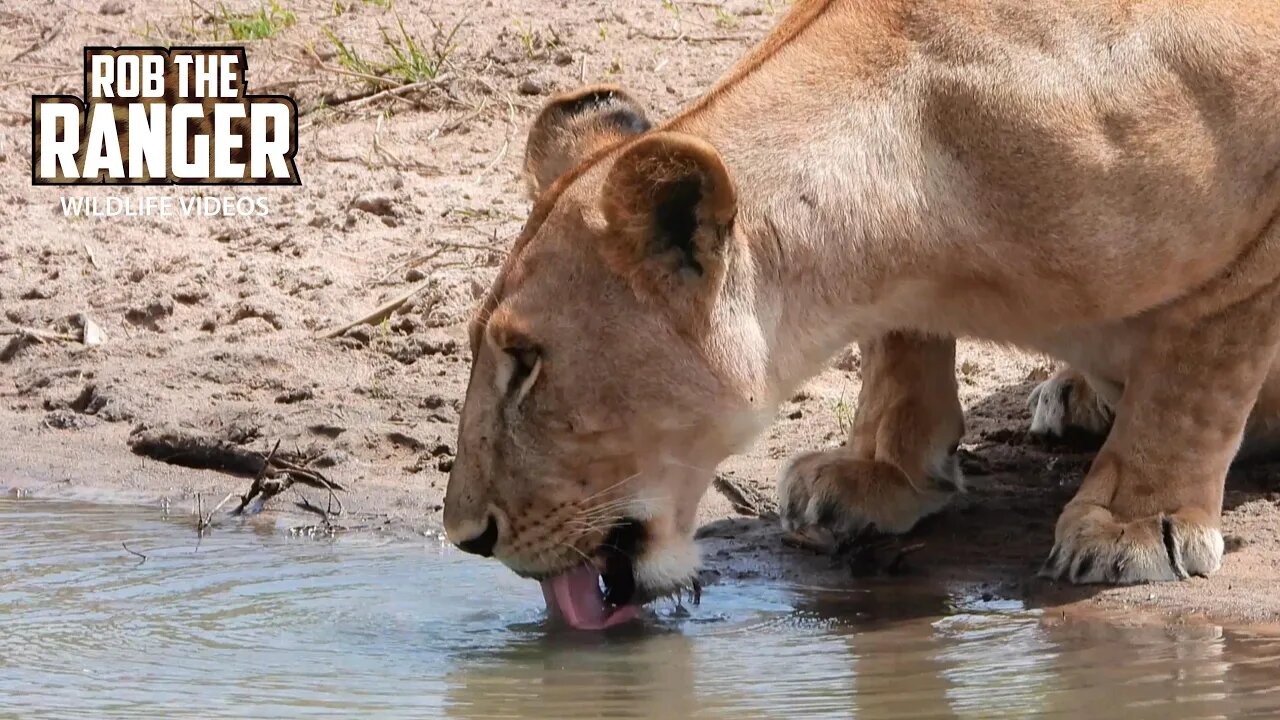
624,117
676,215
627,121
575,125
588,101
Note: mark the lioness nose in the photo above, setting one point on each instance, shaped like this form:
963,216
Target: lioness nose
483,543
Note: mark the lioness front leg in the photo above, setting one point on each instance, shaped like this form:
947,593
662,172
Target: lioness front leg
900,462
1071,400
1150,506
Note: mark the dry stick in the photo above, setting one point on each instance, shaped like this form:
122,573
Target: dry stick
390,92
322,65
736,496
208,521
410,264
501,155
42,335
693,38
306,504
40,41
379,313
315,479
466,245
134,552
92,260
41,78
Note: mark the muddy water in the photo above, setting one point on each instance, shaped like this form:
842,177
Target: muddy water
255,624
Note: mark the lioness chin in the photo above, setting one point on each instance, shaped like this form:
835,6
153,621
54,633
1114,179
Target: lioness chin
1098,181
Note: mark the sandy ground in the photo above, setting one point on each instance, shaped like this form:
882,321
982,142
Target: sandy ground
212,325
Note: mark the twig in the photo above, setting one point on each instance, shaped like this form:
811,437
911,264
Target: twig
737,496
379,313
41,78
208,521
694,38
466,245
134,552
277,475
43,39
36,334
390,92
306,504
92,260
501,155
411,264
314,479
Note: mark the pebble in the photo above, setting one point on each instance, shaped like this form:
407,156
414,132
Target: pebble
530,86
375,203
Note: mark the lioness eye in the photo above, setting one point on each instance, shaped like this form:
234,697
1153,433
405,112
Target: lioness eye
526,364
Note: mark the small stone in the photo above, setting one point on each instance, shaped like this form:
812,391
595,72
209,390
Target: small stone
405,440
414,275
292,396
149,314
405,326
64,419
190,294
362,334
326,429
563,58
92,333
531,86
332,457
374,203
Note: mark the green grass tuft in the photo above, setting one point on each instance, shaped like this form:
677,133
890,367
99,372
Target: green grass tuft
265,22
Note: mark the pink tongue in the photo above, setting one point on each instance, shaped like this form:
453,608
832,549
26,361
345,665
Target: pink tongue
575,597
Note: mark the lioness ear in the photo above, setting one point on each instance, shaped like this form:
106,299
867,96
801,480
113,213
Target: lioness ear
574,125
670,204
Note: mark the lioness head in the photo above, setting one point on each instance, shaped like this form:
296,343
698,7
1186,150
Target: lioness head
612,363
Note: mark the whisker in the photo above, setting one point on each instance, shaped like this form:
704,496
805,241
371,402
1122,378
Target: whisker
627,479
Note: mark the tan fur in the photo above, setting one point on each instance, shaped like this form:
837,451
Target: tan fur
1095,180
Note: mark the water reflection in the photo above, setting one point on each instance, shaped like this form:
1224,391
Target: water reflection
256,625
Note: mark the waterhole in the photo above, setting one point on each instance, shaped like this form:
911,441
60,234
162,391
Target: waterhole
252,623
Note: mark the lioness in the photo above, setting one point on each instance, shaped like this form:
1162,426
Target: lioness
1095,180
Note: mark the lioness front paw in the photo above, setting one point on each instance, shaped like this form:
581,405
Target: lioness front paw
1067,400
1093,546
835,492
